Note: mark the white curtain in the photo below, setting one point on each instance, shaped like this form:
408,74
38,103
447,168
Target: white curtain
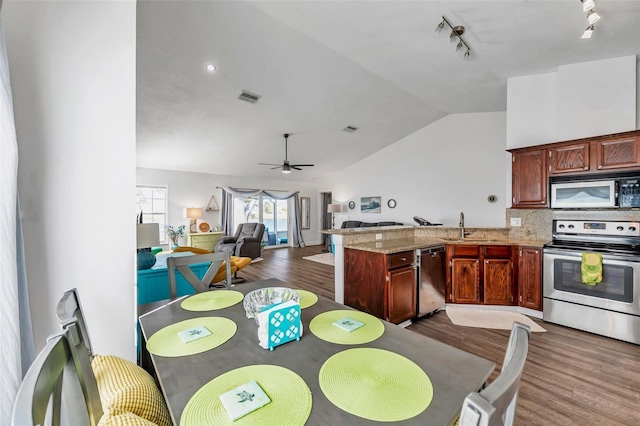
16,345
227,209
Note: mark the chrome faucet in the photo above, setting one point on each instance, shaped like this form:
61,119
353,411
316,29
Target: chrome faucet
461,225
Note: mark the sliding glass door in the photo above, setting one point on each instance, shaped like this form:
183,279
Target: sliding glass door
274,214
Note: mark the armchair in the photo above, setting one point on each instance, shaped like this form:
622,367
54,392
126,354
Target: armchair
246,242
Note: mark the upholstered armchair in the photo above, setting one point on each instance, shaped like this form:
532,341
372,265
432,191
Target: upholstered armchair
246,242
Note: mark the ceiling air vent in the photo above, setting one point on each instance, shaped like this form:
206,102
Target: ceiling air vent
349,129
249,97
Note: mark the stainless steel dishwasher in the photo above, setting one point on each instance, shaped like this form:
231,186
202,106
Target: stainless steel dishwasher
431,279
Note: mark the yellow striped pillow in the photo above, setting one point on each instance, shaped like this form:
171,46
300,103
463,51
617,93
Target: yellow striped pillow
122,418
125,387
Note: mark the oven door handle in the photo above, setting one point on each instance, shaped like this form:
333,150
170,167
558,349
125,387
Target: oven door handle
620,257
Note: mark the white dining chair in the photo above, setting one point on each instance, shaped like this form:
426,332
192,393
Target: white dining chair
495,405
57,385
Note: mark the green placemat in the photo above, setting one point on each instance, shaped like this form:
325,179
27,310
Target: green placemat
166,342
376,384
306,298
212,300
290,398
322,326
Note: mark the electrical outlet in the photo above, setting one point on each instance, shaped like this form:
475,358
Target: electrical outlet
516,221
378,236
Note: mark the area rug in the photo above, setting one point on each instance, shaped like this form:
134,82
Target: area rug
257,259
324,258
488,318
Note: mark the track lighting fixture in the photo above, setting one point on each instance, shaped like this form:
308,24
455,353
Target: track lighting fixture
589,6
456,33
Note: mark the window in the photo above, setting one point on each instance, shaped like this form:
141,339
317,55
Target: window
262,209
152,203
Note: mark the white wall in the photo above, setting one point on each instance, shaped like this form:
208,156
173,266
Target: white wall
187,189
448,167
597,98
73,74
579,100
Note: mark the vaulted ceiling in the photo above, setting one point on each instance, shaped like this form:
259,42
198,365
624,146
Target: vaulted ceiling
320,66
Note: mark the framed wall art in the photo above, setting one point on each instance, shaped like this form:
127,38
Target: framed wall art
370,204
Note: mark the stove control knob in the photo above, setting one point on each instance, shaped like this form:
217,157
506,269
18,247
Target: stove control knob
620,228
571,226
561,226
632,228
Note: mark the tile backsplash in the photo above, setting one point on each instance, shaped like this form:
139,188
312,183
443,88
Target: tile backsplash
536,223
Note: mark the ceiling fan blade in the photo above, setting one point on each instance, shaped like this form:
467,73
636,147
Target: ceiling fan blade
276,167
296,168
269,164
302,165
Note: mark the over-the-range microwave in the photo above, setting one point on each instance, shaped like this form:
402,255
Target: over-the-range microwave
577,193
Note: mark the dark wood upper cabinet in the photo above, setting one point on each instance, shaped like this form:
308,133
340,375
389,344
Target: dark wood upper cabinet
573,158
532,166
529,178
617,153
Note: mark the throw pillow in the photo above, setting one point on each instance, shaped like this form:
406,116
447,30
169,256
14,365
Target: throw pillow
117,417
126,387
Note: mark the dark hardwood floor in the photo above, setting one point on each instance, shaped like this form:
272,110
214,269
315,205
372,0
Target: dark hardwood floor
570,378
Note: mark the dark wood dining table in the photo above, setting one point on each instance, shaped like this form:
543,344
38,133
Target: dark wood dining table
454,373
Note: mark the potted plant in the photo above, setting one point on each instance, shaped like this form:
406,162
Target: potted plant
175,234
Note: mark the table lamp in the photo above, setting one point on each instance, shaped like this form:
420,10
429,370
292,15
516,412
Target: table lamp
147,236
193,213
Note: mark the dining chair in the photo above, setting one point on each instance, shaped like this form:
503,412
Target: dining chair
181,265
57,384
496,404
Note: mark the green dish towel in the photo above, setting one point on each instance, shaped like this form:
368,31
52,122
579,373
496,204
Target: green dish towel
591,268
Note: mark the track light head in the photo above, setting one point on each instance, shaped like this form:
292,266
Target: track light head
593,16
466,54
459,46
440,27
588,32
587,5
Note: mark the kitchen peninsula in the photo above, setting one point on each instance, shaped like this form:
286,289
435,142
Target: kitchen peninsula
375,268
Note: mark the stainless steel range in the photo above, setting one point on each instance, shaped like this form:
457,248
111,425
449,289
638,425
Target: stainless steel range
610,308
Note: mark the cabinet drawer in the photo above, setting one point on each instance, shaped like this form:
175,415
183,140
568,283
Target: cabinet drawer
397,260
204,238
462,250
497,252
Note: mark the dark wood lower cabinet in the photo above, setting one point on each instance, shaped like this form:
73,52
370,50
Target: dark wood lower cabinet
380,284
465,281
482,274
530,279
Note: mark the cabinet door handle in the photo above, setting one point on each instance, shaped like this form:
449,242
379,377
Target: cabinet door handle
404,259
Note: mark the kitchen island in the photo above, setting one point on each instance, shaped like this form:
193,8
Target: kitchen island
464,284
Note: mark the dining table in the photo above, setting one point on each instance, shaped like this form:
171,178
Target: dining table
452,373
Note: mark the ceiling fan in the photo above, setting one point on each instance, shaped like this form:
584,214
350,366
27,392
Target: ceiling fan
286,167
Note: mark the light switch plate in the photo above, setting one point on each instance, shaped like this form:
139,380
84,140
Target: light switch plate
378,236
516,221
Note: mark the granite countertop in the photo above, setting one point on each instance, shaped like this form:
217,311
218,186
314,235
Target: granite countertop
397,245
366,230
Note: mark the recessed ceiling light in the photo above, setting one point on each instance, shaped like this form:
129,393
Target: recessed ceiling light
210,67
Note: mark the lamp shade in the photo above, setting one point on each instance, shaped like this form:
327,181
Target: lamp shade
147,235
333,208
193,212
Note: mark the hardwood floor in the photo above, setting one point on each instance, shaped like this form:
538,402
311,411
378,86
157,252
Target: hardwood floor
570,378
